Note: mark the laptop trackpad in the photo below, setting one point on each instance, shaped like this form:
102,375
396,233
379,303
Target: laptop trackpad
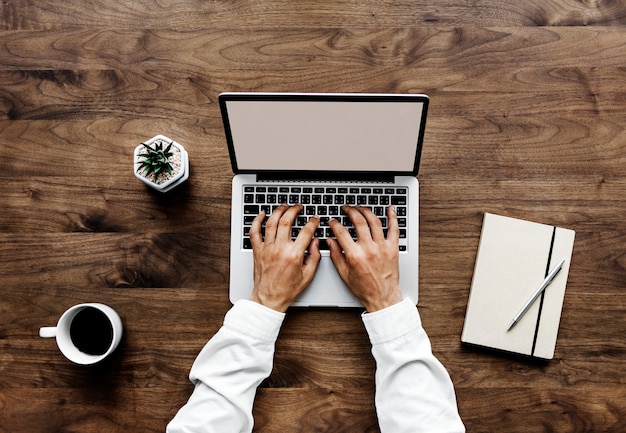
327,288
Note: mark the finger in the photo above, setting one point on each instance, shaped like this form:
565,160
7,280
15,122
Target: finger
376,227
393,232
307,232
271,226
286,221
359,222
341,234
256,238
337,256
312,260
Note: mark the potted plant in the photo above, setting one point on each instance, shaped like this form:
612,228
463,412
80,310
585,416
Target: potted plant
161,163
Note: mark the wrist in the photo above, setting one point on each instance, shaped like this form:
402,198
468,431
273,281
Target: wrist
382,302
275,304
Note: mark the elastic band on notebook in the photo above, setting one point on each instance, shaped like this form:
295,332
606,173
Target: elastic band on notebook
532,352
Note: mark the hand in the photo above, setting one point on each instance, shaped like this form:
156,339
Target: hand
369,266
281,270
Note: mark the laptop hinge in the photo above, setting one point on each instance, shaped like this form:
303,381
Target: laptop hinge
324,177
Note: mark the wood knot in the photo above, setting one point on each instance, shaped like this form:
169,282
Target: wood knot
96,221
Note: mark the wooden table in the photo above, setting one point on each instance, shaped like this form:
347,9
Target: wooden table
527,119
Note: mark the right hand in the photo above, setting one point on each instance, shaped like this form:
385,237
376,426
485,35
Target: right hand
369,266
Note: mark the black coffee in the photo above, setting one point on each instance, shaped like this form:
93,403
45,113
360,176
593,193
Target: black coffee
91,331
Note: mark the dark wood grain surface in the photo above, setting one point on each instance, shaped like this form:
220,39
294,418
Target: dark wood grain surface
527,119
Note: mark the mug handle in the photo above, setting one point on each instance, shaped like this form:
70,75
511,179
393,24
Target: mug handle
48,332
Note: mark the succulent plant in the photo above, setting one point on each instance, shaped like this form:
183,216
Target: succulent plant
156,160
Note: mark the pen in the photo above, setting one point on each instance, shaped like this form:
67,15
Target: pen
538,292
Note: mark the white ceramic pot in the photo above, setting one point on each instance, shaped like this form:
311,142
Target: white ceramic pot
181,176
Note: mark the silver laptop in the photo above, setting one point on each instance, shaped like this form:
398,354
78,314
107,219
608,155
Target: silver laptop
323,151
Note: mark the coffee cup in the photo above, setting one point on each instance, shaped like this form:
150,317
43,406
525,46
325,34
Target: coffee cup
86,333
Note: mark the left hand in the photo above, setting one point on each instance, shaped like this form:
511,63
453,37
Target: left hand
281,270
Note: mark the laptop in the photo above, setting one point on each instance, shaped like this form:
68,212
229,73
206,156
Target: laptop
323,150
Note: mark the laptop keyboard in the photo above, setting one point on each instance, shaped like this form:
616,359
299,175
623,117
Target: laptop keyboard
326,203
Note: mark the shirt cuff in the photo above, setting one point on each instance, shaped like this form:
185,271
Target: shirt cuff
254,320
392,322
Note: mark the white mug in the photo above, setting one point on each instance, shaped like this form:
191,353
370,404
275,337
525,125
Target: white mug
86,333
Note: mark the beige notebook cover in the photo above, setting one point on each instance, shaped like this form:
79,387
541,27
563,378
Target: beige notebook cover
514,257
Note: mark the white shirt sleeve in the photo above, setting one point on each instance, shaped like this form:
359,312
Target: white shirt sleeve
414,392
228,371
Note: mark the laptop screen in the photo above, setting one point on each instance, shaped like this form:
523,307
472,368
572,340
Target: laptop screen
324,132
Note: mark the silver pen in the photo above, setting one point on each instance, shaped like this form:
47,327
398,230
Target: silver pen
535,295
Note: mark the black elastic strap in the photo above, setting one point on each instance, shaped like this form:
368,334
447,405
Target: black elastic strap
532,352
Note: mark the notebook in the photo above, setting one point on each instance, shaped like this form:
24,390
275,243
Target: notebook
323,150
514,257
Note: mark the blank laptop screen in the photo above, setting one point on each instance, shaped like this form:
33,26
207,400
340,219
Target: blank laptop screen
319,135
